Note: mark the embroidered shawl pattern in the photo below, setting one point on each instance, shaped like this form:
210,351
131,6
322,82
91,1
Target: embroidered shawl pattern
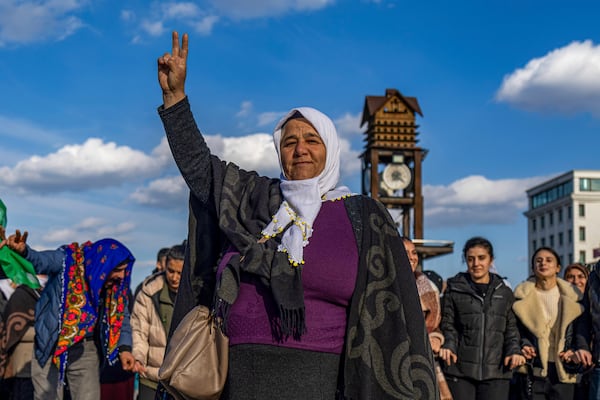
388,355
85,298
78,315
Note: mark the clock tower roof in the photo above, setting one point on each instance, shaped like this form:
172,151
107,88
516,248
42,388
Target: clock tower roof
374,103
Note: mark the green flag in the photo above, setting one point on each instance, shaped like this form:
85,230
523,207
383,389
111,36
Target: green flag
18,269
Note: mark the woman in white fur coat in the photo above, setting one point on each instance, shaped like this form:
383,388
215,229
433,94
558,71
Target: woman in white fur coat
546,307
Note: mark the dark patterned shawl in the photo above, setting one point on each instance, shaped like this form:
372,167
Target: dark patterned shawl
19,316
387,352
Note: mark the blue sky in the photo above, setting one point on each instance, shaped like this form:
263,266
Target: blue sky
510,93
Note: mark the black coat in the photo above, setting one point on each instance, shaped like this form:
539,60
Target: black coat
481,331
588,325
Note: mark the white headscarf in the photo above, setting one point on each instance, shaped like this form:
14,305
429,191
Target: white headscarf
303,198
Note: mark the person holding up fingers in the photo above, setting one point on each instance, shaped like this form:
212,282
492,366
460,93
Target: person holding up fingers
312,282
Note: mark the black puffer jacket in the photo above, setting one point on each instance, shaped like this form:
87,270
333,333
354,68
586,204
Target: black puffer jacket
481,331
588,326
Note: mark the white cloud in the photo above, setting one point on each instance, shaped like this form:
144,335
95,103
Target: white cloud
249,9
162,152
253,153
203,20
23,22
350,165
349,125
245,109
184,10
170,192
205,25
164,16
476,200
564,80
91,165
153,28
90,227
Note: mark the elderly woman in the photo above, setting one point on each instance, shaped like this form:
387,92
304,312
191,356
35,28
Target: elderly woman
313,283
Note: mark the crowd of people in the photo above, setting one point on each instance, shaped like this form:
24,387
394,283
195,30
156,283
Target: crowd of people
540,341
76,332
319,295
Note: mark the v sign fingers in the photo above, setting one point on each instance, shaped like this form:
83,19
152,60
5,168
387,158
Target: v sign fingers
18,242
172,70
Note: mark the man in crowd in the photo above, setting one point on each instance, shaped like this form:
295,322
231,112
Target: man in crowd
161,262
151,320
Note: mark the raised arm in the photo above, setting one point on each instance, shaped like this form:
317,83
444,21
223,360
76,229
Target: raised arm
172,70
45,262
188,147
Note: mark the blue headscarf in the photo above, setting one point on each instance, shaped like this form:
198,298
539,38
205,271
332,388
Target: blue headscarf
85,297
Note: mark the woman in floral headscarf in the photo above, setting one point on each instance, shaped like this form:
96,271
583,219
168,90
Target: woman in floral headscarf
82,308
314,285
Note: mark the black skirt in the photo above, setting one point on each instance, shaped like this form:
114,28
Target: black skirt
270,372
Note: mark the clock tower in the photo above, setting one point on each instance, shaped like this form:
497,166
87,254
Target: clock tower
392,163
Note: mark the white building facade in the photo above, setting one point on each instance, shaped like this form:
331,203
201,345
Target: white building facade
564,214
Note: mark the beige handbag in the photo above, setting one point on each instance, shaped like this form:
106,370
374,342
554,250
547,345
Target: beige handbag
196,358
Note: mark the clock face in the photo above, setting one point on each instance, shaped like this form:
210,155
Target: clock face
397,176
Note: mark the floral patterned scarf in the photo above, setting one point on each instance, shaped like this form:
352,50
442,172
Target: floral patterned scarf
85,298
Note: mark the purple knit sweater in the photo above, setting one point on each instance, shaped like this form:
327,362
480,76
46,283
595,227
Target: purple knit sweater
328,279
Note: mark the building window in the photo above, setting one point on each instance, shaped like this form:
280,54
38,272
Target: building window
569,212
552,241
543,242
589,185
570,258
582,233
584,184
542,222
533,224
534,244
582,210
552,194
582,256
570,234
559,215
561,260
560,238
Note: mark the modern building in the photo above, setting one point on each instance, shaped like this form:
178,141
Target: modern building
564,213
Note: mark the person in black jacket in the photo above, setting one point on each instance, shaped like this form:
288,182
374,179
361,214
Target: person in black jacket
481,336
587,330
